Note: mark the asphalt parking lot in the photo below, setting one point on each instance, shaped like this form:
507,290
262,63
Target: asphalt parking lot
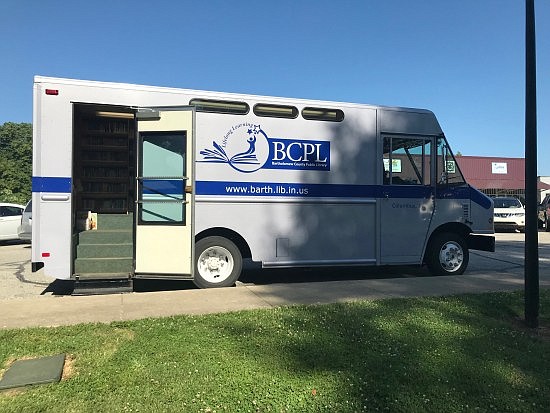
16,278
18,281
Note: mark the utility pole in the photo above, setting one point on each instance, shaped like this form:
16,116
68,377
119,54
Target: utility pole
531,268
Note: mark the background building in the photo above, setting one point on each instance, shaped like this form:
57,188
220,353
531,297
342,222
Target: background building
499,176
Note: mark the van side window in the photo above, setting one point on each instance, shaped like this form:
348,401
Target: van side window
324,114
276,111
407,161
220,106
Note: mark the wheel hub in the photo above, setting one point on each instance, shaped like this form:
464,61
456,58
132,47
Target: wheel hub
451,256
215,264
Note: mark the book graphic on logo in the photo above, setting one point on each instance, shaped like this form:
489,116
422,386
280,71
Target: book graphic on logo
219,155
244,147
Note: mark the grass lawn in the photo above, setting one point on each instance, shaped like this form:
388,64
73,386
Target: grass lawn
451,354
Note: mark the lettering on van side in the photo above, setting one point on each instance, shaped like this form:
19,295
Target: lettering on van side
407,205
247,148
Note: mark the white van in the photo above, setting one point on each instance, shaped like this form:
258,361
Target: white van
139,181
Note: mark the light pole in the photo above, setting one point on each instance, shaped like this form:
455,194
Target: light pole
531,268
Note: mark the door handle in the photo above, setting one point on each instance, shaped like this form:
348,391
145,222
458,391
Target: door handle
54,198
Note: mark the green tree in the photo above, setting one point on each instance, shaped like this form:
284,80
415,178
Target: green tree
15,162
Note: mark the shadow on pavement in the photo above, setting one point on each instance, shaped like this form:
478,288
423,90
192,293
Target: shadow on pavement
15,242
59,287
255,275
149,285
66,287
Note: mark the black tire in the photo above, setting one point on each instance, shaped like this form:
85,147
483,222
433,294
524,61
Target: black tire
447,254
218,263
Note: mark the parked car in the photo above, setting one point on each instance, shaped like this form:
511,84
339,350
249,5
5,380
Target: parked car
25,229
10,219
544,213
509,213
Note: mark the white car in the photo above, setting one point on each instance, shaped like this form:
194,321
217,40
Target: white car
509,213
25,229
10,219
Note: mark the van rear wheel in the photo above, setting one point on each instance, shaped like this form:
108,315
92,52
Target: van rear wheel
447,254
218,263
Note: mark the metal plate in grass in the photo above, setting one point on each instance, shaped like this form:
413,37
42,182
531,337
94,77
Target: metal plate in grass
35,371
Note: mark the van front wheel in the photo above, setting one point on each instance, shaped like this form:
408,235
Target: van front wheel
218,262
447,254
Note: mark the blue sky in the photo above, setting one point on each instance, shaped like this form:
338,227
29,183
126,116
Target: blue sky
464,59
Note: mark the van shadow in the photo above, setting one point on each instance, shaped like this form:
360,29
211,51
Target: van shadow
66,287
59,287
254,274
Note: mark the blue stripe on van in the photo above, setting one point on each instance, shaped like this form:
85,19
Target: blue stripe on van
277,189
51,184
306,190
466,192
480,198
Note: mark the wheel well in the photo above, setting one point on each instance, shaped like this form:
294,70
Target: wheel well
453,227
231,235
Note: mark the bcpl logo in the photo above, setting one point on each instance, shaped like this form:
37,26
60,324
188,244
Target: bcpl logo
247,148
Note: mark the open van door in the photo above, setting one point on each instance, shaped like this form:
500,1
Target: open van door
164,236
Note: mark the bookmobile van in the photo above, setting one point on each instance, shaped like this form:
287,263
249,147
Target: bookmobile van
137,181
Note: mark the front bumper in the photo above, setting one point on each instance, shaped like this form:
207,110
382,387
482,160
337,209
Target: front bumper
510,222
509,225
481,242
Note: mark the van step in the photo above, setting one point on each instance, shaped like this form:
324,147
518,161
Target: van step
91,276
116,236
103,265
103,286
115,221
104,250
